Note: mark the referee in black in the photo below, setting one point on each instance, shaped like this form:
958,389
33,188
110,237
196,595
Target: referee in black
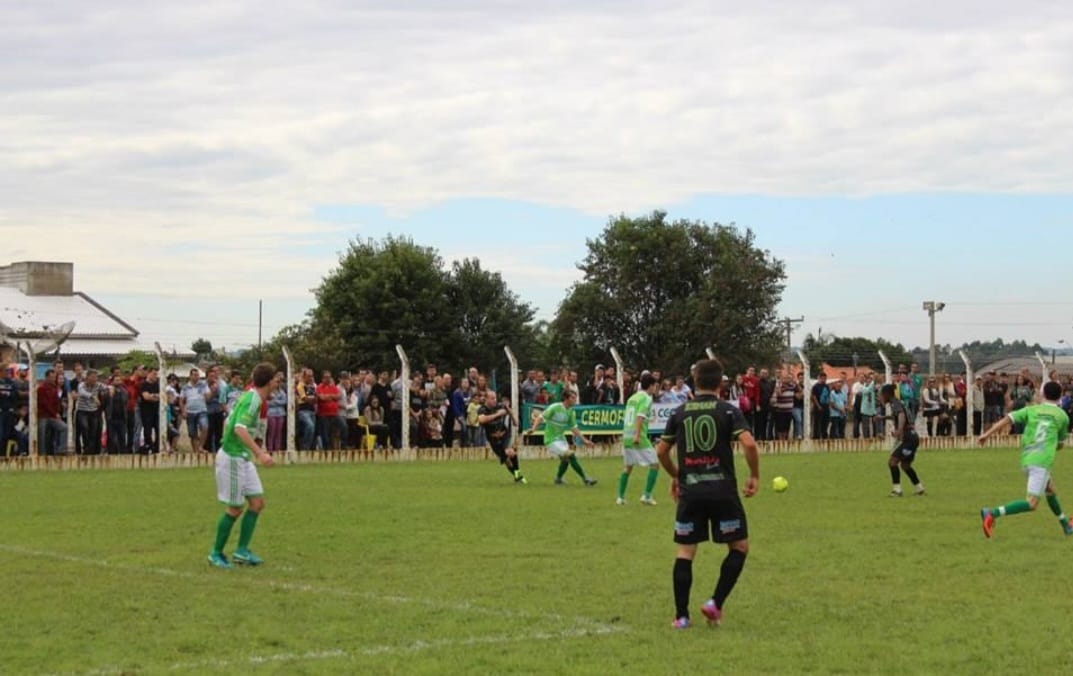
706,488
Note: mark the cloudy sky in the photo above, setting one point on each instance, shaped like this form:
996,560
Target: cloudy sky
192,158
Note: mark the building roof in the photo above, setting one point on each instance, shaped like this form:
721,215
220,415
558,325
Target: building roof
27,316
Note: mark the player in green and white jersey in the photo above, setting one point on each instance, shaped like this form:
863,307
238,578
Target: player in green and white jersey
559,419
1046,427
237,483
637,447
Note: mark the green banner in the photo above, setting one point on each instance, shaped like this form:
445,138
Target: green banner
595,419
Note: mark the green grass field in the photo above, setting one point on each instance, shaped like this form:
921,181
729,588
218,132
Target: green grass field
450,568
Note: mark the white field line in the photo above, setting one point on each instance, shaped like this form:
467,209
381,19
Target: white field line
460,607
240,663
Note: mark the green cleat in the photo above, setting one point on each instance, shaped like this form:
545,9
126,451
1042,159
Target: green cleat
218,560
245,557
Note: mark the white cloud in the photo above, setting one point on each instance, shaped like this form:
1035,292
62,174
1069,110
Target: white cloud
211,130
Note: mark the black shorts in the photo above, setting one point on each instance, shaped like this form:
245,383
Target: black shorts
499,447
782,421
907,450
701,519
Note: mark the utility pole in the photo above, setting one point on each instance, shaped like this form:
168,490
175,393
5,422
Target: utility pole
788,326
931,307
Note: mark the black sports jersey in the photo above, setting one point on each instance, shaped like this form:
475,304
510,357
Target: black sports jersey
702,431
498,427
898,408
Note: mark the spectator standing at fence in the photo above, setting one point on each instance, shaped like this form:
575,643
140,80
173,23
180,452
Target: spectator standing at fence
88,411
782,406
610,394
798,413
305,404
916,379
343,386
750,385
820,398
866,405
133,383
327,393
9,404
149,411
417,397
932,405
459,402
51,430
376,419
994,400
590,394
476,437
114,403
1024,390
277,415
979,406
766,390
554,388
837,410
216,404
351,408
571,382
193,408
959,412
450,420
528,387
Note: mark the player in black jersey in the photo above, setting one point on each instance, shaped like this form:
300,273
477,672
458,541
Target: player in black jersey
704,484
496,419
908,442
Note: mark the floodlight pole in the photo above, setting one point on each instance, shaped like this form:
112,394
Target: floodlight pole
931,307
292,392
620,377
405,376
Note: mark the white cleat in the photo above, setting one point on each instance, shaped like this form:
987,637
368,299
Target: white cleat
647,500
620,501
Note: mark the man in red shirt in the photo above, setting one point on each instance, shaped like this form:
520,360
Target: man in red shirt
328,421
133,383
51,430
750,386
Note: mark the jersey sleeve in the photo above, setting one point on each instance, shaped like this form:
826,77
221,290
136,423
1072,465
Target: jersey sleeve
247,412
1020,416
670,430
573,419
737,420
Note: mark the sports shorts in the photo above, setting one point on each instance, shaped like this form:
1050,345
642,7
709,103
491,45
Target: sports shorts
1038,478
236,480
907,448
644,457
701,519
559,448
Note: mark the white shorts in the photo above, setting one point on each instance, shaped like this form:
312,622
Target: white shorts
1038,478
236,480
560,448
644,457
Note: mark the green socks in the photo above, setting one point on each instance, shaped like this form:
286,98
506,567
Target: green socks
1056,507
223,531
623,481
577,466
245,534
650,482
1015,507
563,466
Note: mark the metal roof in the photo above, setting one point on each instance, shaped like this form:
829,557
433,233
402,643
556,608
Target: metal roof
21,314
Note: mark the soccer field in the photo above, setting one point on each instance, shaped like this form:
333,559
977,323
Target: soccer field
434,568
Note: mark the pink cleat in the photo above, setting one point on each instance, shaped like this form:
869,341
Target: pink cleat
712,612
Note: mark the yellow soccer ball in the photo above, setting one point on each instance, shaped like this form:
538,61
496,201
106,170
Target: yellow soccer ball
779,484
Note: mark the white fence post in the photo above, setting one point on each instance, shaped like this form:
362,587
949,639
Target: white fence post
162,403
970,395
404,374
515,390
806,402
1043,368
32,421
710,352
292,391
619,375
889,380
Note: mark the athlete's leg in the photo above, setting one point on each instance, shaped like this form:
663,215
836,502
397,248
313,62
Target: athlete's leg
907,467
1056,508
730,571
624,480
683,579
895,475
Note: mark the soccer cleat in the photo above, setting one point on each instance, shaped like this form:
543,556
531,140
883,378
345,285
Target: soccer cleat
987,521
894,494
520,479
218,560
245,557
1067,528
590,482
682,623
559,481
712,612
647,500
620,501
919,490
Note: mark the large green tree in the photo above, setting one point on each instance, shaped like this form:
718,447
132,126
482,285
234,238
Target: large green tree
393,291
662,292
840,351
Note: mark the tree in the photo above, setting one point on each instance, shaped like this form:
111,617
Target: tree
136,358
662,292
838,351
394,291
201,347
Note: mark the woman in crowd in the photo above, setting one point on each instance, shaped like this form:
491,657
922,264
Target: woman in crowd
376,420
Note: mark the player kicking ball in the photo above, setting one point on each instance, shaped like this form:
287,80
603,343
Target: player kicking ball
1046,425
636,446
237,483
705,485
558,419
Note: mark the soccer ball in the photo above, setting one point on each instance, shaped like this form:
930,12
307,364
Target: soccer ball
779,484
